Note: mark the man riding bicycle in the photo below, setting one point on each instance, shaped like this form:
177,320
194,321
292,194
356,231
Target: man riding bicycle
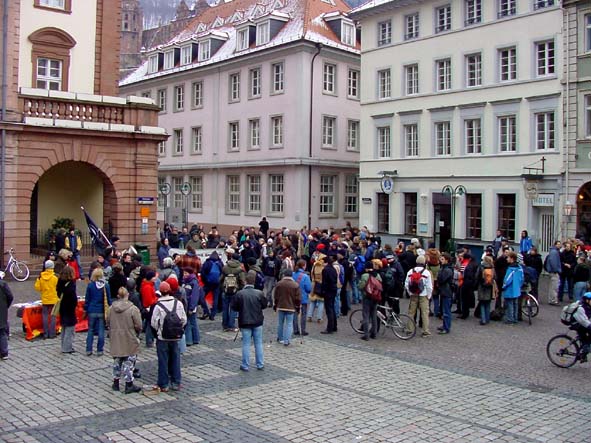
582,317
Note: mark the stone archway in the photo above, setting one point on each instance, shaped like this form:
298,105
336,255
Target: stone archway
584,212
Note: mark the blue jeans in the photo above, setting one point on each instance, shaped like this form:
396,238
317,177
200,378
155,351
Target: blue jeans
484,312
183,344
337,303
512,306
192,330
580,289
284,326
319,304
48,321
96,323
149,335
201,302
257,335
436,304
446,312
3,342
301,326
169,363
228,316
355,290
268,289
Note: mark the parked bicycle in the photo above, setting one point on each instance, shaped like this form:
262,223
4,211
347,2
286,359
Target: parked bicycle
18,269
401,325
564,350
529,307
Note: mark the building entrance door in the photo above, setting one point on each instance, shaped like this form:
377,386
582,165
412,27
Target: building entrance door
383,213
441,220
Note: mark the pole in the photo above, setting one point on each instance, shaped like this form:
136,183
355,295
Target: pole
310,136
2,120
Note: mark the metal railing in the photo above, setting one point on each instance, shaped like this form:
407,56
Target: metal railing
42,240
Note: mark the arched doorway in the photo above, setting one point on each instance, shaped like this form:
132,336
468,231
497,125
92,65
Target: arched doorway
584,212
60,192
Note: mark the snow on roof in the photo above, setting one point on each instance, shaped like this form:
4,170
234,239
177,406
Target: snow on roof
304,21
373,3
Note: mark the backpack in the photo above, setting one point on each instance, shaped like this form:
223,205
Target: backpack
231,284
360,264
213,276
259,282
567,317
373,289
487,277
530,275
416,285
388,278
172,326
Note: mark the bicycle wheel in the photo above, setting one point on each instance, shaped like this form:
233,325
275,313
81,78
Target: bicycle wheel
356,320
402,326
530,306
563,351
19,271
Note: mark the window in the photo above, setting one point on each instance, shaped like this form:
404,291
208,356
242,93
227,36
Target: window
474,70
588,115
384,142
169,59
443,18
327,194
153,64
162,148
473,134
352,135
177,195
508,64
385,33
443,138
411,140
328,131
474,216
507,133
254,194
539,4
178,141
255,82
353,84
506,215
276,181
197,94
204,50
277,131
328,78
186,55
545,58
384,83
196,193
351,194
410,213
65,5
506,8
254,131
444,74
473,12
49,74
242,39
234,136
179,97
162,99
161,196
411,26
233,192
411,78
262,33
235,87
545,136
348,34
588,32
196,137
147,94
277,75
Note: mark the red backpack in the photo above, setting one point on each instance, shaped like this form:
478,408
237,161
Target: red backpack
373,289
416,285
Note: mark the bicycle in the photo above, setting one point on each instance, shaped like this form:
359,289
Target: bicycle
564,351
401,325
18,269
529,307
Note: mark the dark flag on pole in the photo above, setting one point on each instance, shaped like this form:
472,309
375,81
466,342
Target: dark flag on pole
99,239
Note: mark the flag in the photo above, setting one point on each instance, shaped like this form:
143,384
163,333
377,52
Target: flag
99,239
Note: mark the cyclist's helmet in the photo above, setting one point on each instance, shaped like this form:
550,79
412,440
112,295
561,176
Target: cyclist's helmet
587,295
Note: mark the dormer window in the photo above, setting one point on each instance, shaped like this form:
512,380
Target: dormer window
348,34
263,33
186,55
242,39
204,50
153,64
169,59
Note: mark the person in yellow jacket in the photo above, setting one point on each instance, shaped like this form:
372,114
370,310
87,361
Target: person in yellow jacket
46,284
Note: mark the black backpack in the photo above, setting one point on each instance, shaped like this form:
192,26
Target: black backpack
172,326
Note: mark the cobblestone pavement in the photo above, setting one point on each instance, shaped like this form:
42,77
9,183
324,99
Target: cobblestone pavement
491,383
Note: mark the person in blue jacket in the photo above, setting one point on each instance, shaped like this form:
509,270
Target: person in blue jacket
525,244
553,266
303,279
512,288
98,294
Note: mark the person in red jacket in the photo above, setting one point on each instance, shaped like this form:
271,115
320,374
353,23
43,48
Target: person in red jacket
149,299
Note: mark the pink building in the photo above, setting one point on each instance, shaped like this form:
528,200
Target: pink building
261,99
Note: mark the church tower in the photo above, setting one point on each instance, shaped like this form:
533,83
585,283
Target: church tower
132,20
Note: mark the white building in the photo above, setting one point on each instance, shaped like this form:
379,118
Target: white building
262,101
465,94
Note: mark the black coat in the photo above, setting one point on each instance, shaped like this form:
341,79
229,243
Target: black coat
6,299
249,303
329,281
444,280
67,291
115,282
568,257
534,261
408,260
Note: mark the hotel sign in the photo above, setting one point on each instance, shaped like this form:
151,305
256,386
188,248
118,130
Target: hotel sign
543,200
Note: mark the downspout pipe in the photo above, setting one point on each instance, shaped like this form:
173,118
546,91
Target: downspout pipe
310,135
567,128
2,120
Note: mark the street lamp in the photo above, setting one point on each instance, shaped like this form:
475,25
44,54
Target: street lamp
454,193
186,190
165,191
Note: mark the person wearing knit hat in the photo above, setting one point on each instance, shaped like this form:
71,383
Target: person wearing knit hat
164,288
46,284
419,284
